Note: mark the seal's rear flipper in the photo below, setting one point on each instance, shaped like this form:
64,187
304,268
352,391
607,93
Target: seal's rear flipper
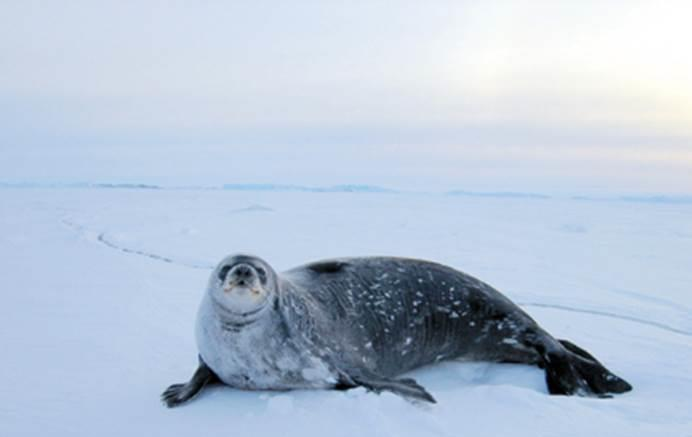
573,371
577,350
406,387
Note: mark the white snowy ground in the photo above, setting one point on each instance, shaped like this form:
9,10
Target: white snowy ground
100,289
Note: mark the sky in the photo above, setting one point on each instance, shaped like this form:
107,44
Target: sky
524,95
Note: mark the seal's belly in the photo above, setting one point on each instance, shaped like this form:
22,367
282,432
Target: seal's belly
254,357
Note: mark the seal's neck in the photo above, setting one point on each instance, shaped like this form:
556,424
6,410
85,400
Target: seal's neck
234,322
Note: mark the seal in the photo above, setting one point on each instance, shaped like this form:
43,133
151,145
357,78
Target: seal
344,323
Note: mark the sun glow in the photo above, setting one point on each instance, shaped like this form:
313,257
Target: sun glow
616,63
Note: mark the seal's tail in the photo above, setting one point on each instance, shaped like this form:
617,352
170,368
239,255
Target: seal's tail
573,371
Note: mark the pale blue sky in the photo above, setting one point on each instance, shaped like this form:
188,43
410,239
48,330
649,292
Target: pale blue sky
512,95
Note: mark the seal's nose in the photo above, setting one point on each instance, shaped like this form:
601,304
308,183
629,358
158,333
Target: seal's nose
243,271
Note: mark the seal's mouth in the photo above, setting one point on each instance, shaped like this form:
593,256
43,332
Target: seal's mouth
242,287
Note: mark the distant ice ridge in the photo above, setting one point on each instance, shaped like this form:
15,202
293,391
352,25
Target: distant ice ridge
254,208
642,198
353,188
96,185
345,188
128,186
677,199
657,199
506,194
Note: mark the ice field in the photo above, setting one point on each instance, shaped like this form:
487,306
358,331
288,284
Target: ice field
101,287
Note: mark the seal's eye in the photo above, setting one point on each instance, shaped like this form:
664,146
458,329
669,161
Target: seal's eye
261,273
223,272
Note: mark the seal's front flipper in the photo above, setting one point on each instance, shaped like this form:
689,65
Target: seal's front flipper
406,387
176,394
573,371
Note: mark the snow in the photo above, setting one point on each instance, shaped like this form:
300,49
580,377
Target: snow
101,287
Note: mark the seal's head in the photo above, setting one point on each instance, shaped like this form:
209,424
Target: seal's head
243,285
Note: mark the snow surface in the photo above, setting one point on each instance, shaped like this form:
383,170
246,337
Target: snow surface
101,287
